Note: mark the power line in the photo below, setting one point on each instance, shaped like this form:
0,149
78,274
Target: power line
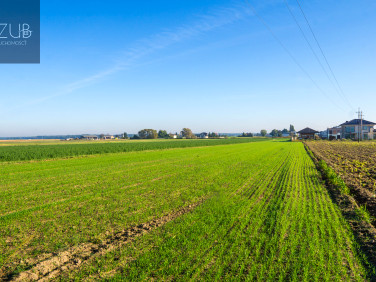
315,54
322,52
291,55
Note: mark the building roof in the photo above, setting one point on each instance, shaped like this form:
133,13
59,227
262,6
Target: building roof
357,122
308,130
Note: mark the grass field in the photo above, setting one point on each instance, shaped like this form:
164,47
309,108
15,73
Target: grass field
254,211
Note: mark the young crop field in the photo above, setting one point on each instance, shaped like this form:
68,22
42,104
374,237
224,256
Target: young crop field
38,152
248,211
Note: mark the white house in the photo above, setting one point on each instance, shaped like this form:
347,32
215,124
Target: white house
108,137
203,135
334,132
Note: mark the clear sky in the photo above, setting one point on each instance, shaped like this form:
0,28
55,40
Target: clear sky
210,65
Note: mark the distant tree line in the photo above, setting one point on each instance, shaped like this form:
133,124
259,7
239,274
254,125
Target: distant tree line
246,134
185,133
279,133
188,134
154,134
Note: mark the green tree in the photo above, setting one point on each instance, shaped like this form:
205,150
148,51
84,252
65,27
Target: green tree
274,133
284,131
248,134
292,128
125,135
162,134
187,133
148,134
263,132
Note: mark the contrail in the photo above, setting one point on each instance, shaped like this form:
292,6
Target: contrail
214,19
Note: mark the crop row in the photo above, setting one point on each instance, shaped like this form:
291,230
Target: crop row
19,153
266,215
275,223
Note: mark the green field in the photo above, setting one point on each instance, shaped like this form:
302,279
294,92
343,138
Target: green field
248,211
39,151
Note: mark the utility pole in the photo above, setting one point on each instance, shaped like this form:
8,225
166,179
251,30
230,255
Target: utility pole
360,130
358,112
361,125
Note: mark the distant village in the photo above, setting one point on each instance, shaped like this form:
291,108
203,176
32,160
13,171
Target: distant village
355,129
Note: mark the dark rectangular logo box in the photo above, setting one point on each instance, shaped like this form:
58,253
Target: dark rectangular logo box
20,31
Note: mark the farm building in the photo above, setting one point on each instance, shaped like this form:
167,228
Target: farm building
108,137
307,133
357,129
89,137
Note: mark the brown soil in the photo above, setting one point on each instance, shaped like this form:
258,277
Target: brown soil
55,265
355,163
364,232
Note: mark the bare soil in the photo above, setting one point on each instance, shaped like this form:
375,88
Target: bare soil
364,232
355,163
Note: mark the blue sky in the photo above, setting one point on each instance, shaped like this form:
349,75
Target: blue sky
114,66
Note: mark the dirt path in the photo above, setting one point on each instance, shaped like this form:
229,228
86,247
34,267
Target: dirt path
73,258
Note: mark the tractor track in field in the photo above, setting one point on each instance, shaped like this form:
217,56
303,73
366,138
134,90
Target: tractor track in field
57,264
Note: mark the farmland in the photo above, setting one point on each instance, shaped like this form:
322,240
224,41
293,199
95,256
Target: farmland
251,210
40,151
355,163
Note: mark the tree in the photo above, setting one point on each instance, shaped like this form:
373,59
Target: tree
148,134
274,133
263,132
187,133
246,134
125,135
284,131
135,137
292,128
101,136
162,134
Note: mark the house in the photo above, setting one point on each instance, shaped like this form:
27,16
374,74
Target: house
108,137
173,136
357,129
307,133
89,137
334,133
323,134
203,135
